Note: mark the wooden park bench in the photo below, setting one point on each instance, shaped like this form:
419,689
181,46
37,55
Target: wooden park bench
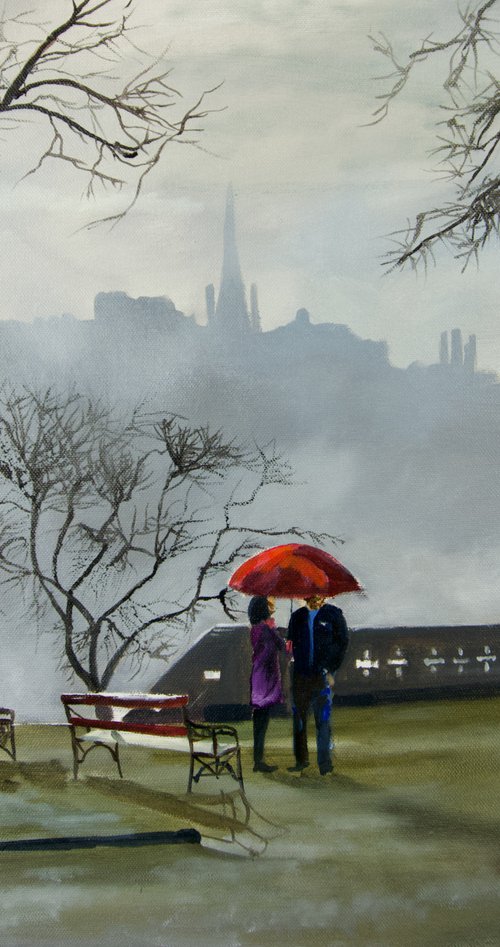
7,738
106,719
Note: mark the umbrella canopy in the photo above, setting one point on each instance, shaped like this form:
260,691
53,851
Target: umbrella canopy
293,570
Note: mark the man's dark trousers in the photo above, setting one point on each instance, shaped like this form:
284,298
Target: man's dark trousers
312,691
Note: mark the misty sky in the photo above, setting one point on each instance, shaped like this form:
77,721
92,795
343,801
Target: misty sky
316,191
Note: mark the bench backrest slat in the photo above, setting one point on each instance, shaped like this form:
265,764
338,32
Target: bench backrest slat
156,701
154,729
118,705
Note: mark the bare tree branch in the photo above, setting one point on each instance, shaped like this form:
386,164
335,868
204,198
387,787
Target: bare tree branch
468,139
116,138
102,514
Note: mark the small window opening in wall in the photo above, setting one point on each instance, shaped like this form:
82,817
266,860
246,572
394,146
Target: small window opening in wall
211,675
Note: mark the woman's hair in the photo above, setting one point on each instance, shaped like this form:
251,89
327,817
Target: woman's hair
258,609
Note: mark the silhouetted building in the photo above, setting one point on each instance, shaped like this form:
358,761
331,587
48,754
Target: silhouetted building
302,317
118,311
463,357
444,355
210,302
470,355
401,663
231,313
254,309
457,355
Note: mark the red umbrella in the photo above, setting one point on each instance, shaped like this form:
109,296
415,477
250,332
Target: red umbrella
293,570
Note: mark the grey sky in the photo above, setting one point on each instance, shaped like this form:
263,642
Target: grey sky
316,192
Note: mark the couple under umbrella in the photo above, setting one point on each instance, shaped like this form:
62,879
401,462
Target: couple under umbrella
317,640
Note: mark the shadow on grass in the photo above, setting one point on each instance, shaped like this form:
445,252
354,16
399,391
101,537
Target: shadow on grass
426,822
226,819
9,785
53,776
48,774
236,822
311,780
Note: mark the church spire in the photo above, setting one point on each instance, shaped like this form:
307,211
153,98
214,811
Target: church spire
231,313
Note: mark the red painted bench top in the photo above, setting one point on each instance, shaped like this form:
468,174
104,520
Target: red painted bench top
126,702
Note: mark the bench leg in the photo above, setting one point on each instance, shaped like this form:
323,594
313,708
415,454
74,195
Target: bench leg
236,772
74,747
191,771
239,771
13,742
79,753
116,756
216,767
7,737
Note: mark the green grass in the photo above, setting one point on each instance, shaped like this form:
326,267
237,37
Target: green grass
399,847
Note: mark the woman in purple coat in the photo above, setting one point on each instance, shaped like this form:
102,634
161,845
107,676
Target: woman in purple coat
265,679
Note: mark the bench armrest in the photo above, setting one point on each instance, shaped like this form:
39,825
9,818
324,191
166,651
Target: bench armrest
224,730
210,730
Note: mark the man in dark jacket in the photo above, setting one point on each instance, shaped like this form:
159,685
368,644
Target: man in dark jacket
319,638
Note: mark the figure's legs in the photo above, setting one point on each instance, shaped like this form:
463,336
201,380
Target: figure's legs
301,701
260,725
322,708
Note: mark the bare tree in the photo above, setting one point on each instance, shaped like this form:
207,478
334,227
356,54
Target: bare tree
468,137
64,72
102,518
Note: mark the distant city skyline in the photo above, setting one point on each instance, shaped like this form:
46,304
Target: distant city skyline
229,307
317,193
159,314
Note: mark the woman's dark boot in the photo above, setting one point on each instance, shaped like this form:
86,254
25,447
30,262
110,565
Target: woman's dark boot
260,723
